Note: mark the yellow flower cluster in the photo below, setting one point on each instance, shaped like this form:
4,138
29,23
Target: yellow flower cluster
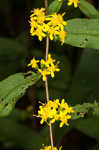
55,111
49,148
51,25
70,2
46,67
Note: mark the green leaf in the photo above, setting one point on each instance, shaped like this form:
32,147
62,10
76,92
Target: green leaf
88,9
83,33
12,88
81,110
85,84
54,6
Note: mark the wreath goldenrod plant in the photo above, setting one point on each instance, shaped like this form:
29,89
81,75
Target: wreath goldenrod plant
50,26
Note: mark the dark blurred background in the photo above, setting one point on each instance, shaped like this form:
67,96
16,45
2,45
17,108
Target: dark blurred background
77,82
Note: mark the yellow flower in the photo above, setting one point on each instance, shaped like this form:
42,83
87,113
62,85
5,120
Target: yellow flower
75,2
33,63
39,32
55,118
43,62
62,35
52,32
38,15
70,110
56,24
70,2
43,113
63,104
37,22
46,111
46,67
54,111
33,25
56,103
64,119
52,104
44,73
38,11
49,148
52,69
49,61
51,25
45,27
65,109
56,20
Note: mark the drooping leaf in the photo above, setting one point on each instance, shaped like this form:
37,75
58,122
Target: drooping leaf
85,83
88,9
12,88
83,33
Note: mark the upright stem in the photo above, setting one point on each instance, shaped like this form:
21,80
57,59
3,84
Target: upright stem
46,6
46,82
50,125
47,47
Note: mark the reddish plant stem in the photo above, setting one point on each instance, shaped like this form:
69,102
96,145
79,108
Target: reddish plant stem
50,125
47,47
46,82
46,6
